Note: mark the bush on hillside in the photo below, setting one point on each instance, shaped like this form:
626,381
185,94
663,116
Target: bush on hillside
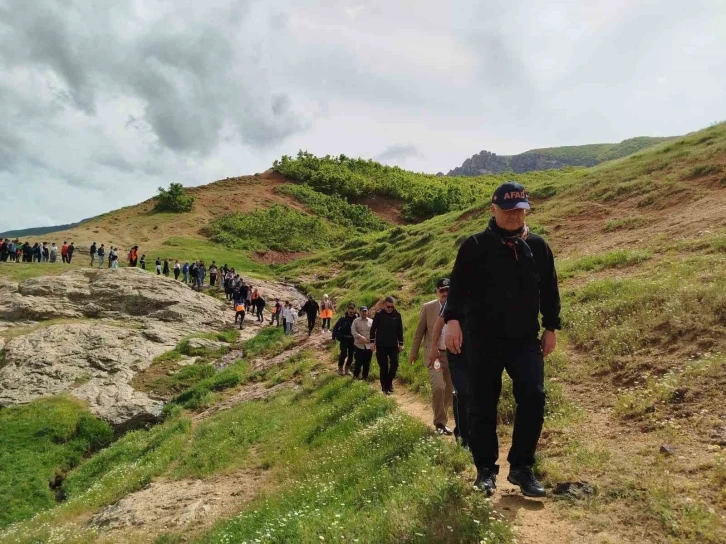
174,200
277,228
334,208
425,195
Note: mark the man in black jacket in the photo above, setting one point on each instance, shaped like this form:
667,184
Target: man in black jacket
387,340
503,277
312,309
342,333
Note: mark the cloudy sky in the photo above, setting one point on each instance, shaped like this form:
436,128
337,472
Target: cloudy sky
101,105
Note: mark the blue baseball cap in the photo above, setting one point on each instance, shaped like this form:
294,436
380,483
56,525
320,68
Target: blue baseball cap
511,195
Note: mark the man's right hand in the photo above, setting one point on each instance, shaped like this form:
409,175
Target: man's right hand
454,336
373,348
411,359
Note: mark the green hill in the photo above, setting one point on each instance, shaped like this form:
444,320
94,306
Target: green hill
549,158
634,433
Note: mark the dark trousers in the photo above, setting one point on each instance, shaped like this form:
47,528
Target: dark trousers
212,279
241,317
275,317
524,363
362,362
326,323
311,322
64,258
260,311
457,368
346,353
176,273
69,257
387,358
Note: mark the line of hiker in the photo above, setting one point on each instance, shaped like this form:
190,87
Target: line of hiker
15,251
484,320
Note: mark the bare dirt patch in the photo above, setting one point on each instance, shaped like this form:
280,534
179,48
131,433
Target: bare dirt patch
386,208
272,257
192,505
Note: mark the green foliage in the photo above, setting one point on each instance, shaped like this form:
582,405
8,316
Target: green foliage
39,441
201,394
268,342
174,200
425,195
334,208
278,228
594,263
352,469
626,223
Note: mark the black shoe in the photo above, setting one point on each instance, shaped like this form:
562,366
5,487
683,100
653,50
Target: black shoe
386,392
528,484
486,482
443,429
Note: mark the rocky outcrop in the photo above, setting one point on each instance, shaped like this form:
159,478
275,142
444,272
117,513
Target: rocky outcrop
88,332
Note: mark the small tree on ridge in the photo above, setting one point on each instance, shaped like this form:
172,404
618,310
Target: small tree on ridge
174,199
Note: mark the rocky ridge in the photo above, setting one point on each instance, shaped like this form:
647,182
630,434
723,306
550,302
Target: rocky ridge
88,332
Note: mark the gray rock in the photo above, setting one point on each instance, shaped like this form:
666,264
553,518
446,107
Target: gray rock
667,450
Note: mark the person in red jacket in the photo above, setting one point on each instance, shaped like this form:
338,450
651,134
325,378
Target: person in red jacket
64,252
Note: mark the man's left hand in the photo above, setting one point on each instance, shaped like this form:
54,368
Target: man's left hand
549,342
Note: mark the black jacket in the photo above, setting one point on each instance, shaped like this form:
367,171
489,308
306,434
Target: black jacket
311,308
341,330
499,292
387,329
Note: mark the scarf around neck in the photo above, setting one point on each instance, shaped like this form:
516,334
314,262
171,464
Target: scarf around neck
516,241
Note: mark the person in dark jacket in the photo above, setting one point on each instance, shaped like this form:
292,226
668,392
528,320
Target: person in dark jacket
311,309
71,249
166,267
92,252
343,334
260,307
387,340
503,278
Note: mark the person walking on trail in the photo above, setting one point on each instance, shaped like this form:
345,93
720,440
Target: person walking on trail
166,268
326,313
92,252
248,297
185,272
177,270
290,317
361,331
442,390
201,274
239,314
158,266
64,252
503,278
253,300
142,262
113,257
101,254
260,307
457,369
46,252
212,274
133,256
343,334
387,340
276,312
311,309
71,250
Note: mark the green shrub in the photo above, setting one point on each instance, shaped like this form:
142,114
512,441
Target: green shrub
278,228
174,200
335,208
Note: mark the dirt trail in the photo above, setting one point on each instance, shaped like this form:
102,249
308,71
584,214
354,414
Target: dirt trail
532,520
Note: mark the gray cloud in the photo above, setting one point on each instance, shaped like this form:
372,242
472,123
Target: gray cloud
398,152
102,104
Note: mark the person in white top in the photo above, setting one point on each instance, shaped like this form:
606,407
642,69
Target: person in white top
289,315
361,331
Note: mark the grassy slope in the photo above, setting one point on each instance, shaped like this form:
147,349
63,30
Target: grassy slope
341,461
640,244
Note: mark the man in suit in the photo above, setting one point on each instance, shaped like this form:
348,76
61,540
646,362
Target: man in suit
441,387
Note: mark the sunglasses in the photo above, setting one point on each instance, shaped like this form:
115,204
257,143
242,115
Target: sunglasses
389,306
444,290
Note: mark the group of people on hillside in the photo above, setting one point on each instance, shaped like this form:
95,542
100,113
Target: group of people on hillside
484,320
40,252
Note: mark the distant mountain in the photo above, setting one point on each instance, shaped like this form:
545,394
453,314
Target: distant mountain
37,231
552,157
